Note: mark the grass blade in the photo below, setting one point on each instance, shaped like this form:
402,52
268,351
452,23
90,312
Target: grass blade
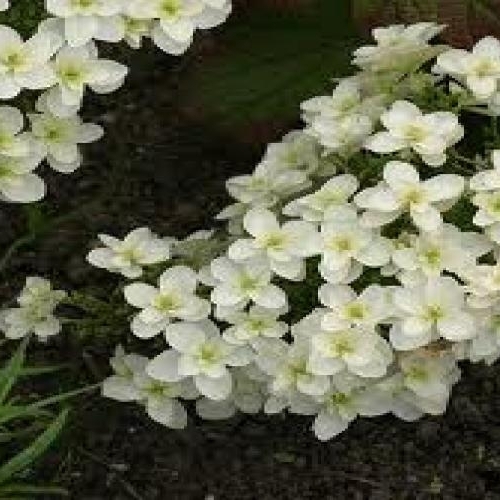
32,452
12,371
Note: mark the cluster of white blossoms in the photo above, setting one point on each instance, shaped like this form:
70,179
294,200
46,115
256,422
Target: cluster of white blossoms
360,265
171,24
347,286
62,61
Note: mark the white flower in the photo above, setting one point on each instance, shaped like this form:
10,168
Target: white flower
344,136
360,351
479,70
18,183
12,142
248,396
139,248
25,65
265,187
345,99
199,351
398,47
430,377
131,383
371,307
4,5
285,246
35,313
333,196
430,311
161,399
287,365
296,151
85,20
79,67
347,246
488,213
346,399
174,30
402,190
121,386
248,326
59,137
174,299
407,127
239,283
447,249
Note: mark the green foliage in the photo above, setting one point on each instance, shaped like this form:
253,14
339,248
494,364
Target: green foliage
27,428
271,61
24,16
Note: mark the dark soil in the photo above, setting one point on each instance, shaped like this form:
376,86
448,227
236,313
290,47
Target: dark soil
154,168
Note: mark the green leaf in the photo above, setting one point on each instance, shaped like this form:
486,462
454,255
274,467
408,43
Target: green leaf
271,61
13,412
21,489
12,371
30,454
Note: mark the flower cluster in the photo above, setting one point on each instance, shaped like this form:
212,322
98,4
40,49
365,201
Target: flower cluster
62,61
361,262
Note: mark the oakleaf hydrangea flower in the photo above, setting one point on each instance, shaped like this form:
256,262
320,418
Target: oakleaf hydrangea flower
59,137
342,404
346,308
398,47
175,298
25,65
78,67
429,135
85,20
199,351
249,326
347,246
139,248
296,151
402,190
35,312
478,70
285,246
433,310
432,252
18,183
130,383
239,283
333,196
360,351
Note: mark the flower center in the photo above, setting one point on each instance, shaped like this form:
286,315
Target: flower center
415,133
170,8
14,61
248,283
355,311
434,313
166,303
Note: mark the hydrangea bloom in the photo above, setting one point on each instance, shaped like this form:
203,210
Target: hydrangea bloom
402,190
139,248
85,20
35,311
285,246
59,137
26,65
175,298
429,135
